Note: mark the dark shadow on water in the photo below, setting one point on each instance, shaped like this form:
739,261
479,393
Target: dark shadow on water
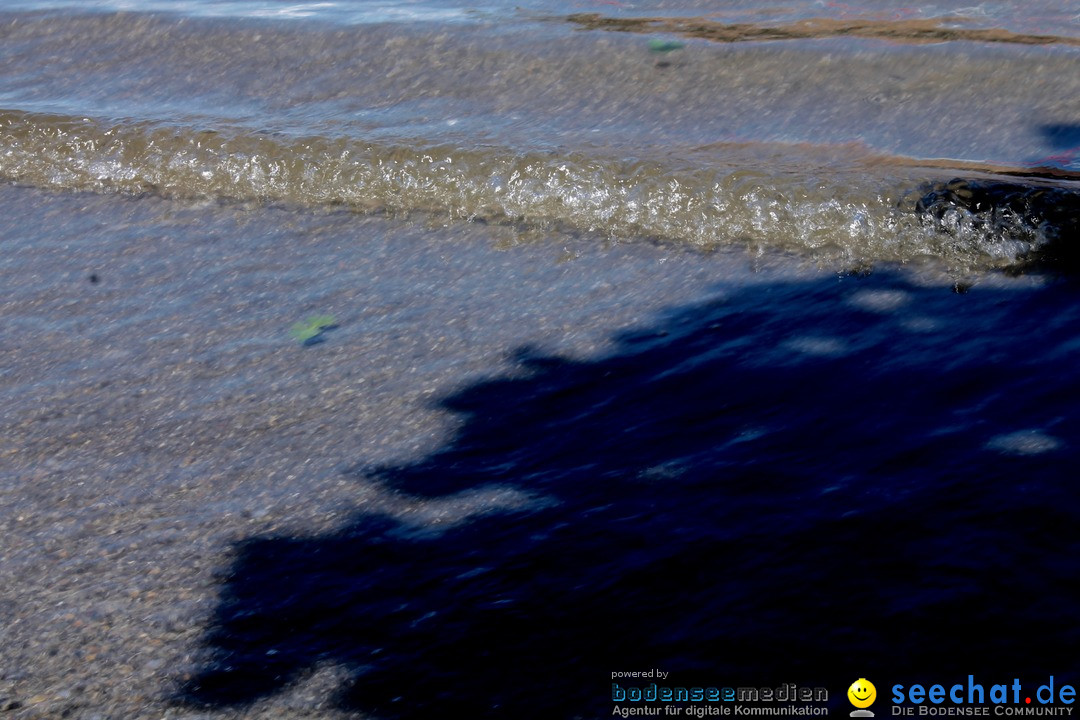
802,482
1062,135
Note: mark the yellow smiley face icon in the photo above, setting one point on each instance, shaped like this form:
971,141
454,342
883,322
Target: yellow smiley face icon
862,693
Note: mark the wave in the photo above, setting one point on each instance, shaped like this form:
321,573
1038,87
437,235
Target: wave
862,210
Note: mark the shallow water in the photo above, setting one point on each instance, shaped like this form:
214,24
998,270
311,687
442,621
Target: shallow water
735,342
812,146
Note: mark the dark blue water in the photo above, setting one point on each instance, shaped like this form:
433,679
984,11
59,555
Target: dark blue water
808,482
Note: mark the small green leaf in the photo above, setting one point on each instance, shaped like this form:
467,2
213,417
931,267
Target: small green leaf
321,321
665,46
313,327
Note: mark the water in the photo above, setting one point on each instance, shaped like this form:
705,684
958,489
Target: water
734,341
520,116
